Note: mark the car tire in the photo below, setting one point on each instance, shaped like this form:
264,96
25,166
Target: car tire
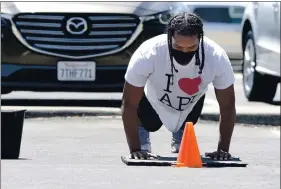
257,87
5,91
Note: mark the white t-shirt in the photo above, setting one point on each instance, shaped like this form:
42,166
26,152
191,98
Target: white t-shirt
150,67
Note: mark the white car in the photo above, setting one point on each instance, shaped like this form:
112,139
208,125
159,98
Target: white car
260,37
222,23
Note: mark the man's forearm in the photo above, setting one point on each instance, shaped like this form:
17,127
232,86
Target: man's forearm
130,122
227,122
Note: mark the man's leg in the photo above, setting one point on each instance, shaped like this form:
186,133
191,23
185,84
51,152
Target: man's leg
149,122
192,117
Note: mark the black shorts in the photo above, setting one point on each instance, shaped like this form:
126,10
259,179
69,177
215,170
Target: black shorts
151,122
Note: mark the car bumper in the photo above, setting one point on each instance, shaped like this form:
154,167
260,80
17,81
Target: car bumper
44,78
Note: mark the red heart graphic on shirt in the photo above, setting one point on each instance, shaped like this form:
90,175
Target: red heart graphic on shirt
190,86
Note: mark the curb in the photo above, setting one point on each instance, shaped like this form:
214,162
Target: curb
244,115
241,118
249,119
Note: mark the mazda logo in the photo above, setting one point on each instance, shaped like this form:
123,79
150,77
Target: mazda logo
76,25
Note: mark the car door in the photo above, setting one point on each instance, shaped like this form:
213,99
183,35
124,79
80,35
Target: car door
267,44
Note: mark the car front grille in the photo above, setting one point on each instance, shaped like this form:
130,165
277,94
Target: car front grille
97,34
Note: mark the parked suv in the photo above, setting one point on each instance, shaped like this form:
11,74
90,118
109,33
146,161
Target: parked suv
75,46
261,46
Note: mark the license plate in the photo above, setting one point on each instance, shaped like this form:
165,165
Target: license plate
76,71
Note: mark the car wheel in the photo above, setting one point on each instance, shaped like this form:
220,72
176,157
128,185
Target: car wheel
257,86
5,90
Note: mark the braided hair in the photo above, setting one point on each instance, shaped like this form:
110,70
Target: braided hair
186,24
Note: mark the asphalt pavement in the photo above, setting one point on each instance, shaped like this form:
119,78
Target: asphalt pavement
75,140
84,152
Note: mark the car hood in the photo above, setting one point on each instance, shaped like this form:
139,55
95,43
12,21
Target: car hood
137,8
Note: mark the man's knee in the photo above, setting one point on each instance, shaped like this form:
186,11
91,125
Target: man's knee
151,127
148,118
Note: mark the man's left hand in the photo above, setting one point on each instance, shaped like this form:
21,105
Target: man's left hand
219,155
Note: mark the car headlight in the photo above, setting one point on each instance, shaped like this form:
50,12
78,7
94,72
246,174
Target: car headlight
5,24
164,17
5,20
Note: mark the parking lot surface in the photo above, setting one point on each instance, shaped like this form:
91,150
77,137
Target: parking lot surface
84,152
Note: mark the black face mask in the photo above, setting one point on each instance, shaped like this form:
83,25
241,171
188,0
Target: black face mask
183,58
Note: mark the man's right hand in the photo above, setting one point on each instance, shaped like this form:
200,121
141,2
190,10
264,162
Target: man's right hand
143,155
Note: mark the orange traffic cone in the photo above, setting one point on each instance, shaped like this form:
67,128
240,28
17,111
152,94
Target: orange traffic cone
189,155
183,148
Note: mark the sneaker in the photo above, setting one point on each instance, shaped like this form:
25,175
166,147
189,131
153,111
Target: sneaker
144,139
176,141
